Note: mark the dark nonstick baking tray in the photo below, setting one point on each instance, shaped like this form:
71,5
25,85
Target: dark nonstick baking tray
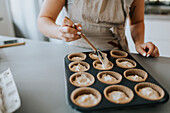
136,102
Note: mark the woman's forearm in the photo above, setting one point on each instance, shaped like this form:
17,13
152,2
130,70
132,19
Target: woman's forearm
48,27
136,18
137,33
47,17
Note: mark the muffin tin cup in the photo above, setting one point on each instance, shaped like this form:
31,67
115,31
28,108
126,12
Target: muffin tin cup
79,62
73,77
119,60
118,54
155,87
85,90
139,72
82,55
128,92
111,73
92,57
98,61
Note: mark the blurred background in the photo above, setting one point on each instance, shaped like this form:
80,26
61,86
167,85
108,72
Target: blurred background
18,18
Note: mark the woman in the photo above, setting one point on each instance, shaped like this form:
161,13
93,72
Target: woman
103,23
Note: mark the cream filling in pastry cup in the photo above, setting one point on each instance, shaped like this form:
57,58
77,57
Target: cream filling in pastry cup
76,56
86,97
149,91
93,56
79,66
125,63
109,77
82,79
98,65
118,54
118,94
136,75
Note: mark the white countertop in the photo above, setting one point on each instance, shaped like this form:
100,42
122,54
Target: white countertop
38,70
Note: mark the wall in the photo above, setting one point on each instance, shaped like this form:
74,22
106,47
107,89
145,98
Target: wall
6,27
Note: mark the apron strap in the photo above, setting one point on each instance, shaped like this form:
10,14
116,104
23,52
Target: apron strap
124,12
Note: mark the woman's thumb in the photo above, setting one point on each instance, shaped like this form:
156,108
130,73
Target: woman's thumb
67,22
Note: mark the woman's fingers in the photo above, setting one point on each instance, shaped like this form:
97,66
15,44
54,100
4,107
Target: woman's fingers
150,46
68,30
141,50
78,26
72,36
155,52
67,22
69,37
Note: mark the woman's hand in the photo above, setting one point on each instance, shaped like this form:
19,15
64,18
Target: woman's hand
67,32
46,22
147,49
137,28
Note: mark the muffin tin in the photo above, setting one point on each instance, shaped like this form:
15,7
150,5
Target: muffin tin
136,101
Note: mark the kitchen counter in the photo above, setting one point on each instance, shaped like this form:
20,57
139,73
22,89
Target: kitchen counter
38,70
157,17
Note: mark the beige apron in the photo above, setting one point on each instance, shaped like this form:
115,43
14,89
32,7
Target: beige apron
103,22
